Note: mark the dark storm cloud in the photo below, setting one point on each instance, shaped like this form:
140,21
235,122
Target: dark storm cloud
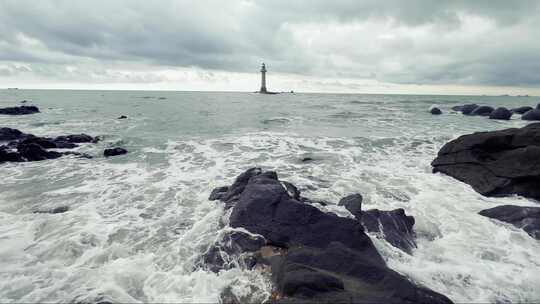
298,37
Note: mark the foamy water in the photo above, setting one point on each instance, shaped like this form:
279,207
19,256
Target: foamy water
138,224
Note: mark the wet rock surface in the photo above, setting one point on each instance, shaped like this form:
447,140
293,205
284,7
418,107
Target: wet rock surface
495,163
435,111
314,256
501,113
482,111
531,115
521,110
22,147
526,218
21,110
114,152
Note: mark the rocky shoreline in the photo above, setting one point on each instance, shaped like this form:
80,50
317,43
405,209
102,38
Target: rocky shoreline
498,163
312,255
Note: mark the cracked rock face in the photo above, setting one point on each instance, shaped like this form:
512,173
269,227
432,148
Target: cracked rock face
496,163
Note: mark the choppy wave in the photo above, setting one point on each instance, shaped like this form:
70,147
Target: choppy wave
137,225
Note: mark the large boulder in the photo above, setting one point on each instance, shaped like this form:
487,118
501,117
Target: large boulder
315,256
526,218
531,115
468,108
501,113
353,203
482,111
495,163
22,110
521,110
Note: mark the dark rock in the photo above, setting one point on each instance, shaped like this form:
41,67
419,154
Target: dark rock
307,159
338,274
76,138
265,208
218,193
538,106
291,190
114,152
482,111
353,203
45,143
7,155
238,186
24,101
435,111
526,218
495,163
56,210
232,248
457,108
394,226
531,115
323,257
501,113
468,108
521,110
34,152
11,134
122,117
21,110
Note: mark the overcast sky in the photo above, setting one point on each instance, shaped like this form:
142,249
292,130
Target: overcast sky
365,46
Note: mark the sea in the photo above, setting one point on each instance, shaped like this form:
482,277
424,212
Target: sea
138,224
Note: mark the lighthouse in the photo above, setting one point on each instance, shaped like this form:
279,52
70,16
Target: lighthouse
263,79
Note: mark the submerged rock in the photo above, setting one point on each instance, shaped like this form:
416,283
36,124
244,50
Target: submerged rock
531,115
315,256
501,113
122,117
521,110
482,111
526,218
114,152
20,110
56,210
495,163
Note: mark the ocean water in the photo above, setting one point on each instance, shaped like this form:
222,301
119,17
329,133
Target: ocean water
138,224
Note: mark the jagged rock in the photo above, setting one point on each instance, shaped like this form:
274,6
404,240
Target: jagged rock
495,163
531,115
218,193
291,190
233,247
77,138
435,111
394,226
521,110
114,152
482,111
468,108
353,203
526,218
21,110
34,152
11,134
501,113
323,257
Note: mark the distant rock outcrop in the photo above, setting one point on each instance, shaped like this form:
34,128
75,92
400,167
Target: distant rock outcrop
21,110
501,113
482,111
114,152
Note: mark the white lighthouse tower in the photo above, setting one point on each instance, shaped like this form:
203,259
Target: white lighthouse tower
263,79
